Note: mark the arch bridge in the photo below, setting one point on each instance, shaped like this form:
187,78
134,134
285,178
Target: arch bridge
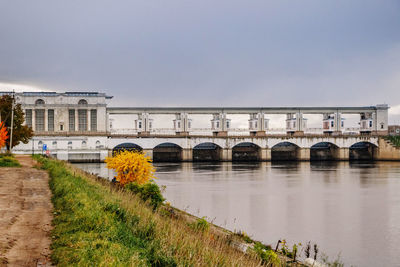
251,148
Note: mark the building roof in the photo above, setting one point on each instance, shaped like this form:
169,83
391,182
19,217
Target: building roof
47,93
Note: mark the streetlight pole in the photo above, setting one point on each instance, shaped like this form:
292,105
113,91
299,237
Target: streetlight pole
12,120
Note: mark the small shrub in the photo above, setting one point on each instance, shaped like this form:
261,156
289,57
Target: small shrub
395,140
8,161
285,249
244,236
131,166
202,225
268,256
147,192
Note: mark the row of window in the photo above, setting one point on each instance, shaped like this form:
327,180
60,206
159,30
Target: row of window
54,144
82,120
41,102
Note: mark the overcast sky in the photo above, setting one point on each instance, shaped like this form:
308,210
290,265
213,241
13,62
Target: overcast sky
225,52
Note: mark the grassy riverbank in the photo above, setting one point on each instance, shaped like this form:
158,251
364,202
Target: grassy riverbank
98,224
8,160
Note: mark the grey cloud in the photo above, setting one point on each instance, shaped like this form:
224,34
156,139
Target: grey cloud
206,52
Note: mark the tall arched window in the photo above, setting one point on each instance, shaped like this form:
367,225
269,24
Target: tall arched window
82,102
39,102
40,145
97,144
84,144
70,145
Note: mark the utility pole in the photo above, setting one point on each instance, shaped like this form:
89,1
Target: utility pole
12,120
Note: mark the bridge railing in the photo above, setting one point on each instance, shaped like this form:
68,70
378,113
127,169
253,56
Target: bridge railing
231,132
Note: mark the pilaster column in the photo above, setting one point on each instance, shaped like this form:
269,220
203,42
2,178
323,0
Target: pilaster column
76,120
299,122
88,120
223,122
45,120
107,123
33,119
338,122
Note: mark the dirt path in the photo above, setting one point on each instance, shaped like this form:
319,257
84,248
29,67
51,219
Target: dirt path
25,215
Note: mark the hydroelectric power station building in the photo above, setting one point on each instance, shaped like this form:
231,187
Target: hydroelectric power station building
78,126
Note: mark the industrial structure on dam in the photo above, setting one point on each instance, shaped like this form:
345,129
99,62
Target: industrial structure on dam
77,126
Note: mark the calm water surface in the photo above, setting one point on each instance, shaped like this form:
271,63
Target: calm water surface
347,208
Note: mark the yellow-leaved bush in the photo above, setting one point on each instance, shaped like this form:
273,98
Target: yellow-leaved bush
131,166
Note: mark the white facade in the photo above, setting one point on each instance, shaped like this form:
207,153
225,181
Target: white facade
72,148
295,122
332,123
367,122
258,122
220,123
76,126
51,112
143,124
182,123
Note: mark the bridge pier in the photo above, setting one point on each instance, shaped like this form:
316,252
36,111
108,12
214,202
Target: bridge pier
303,154
187,154
265,154
226,154
342,153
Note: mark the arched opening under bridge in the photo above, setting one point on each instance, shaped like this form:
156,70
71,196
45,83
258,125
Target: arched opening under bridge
167,152
323,151
246,152
128,147
207,152
362,151
284,151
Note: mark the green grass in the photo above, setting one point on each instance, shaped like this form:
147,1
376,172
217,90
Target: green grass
96,224
7,160
395,140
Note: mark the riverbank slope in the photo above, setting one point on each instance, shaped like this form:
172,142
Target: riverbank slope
98,223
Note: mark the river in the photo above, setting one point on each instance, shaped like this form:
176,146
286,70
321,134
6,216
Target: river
347,208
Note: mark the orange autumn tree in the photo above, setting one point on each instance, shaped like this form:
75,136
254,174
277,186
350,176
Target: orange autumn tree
3,134
131,166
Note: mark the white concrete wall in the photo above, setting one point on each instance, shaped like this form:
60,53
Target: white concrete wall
228,143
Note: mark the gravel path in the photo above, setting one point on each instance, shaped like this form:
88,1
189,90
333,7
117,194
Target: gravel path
25,215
